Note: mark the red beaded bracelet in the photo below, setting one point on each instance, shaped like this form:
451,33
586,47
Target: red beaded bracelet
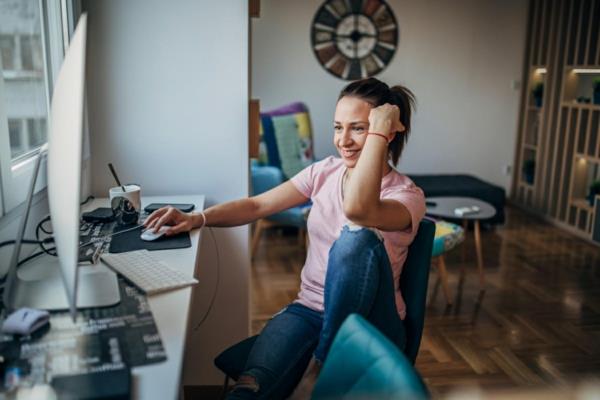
379,134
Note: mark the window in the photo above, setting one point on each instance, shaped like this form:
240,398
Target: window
7,52
31,50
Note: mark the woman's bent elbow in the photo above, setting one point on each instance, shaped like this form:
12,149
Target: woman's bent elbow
356,214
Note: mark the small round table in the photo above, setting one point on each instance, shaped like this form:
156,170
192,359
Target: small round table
444,207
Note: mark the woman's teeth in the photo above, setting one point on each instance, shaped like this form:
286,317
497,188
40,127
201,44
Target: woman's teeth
349,153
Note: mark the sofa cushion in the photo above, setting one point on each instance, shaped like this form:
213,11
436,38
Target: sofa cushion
286,139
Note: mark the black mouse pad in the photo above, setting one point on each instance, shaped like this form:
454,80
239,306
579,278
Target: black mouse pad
130,241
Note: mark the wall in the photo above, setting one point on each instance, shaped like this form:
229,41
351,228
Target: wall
459,57
168,95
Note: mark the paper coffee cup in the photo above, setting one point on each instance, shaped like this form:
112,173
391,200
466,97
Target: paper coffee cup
133,193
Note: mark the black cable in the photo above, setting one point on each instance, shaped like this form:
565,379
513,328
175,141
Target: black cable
34,255
40,227
24,241
87,200
51,251
214,296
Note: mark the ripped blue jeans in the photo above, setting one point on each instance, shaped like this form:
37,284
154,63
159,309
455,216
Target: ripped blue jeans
359,280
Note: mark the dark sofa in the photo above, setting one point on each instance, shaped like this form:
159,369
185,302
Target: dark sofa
464,186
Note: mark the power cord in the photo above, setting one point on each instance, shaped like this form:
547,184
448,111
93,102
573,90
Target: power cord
216,290
30,241
24,241
34,255
87,200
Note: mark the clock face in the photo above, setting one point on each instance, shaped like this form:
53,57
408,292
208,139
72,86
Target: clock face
354,39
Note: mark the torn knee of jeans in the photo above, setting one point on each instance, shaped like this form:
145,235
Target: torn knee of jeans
354,228
247,382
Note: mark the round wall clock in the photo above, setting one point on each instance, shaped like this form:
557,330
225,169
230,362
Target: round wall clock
354,39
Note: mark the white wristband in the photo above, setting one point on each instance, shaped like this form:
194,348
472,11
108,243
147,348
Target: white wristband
203,219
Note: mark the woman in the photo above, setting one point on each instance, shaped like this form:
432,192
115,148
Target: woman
364,216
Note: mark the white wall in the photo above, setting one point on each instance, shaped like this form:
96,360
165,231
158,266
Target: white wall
168,95
459,57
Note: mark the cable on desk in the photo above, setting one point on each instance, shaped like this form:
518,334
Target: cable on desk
34,255
214,296
40,227
24,241
49,239
87,200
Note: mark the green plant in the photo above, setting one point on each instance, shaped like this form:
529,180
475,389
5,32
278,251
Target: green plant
596,84
595,187
594,190
528,170
538,89
528,166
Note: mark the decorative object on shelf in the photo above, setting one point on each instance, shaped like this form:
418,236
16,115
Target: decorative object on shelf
354,39
529,171
562,41
583,100
538,94
594,191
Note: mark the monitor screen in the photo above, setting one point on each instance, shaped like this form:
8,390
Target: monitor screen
64,158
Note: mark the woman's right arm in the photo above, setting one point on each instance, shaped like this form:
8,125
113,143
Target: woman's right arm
232,213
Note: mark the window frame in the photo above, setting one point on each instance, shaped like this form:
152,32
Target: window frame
15,175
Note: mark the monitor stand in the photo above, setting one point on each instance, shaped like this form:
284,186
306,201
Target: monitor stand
39,284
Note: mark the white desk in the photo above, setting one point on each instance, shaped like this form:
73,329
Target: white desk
170,310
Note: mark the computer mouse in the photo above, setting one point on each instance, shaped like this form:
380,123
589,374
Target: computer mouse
25,321
148,235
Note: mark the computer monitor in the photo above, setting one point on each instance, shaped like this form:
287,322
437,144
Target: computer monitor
60,283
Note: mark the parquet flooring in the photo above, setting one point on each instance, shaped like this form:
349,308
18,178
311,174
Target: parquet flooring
536,323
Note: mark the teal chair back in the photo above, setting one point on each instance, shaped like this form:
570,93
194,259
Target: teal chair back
413,286
363,364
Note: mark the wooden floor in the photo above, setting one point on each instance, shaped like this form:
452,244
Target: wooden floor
537,322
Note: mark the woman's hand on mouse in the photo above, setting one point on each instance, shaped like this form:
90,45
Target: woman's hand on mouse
179,221
385,119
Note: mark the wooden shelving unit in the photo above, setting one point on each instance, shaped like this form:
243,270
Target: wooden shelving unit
562,134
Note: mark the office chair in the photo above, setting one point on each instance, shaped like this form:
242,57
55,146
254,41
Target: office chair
373,367
413,285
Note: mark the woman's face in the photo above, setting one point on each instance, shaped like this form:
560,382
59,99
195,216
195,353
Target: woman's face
351,124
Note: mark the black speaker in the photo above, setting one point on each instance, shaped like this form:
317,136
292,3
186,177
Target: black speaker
596,225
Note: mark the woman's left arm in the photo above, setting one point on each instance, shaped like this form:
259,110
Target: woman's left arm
362,200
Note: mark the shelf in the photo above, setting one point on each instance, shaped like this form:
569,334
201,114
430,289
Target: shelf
531,147
587,158
582,203
581,106
528,186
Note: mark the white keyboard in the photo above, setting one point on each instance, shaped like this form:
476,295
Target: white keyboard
146,272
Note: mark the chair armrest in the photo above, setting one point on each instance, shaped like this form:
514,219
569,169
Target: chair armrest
265,177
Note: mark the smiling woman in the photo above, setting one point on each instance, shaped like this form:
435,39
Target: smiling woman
364,216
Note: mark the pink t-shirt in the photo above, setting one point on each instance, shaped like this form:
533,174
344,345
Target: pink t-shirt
322,183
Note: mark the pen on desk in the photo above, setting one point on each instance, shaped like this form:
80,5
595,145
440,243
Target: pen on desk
114,173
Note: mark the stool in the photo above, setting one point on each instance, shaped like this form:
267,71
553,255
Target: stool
447,236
